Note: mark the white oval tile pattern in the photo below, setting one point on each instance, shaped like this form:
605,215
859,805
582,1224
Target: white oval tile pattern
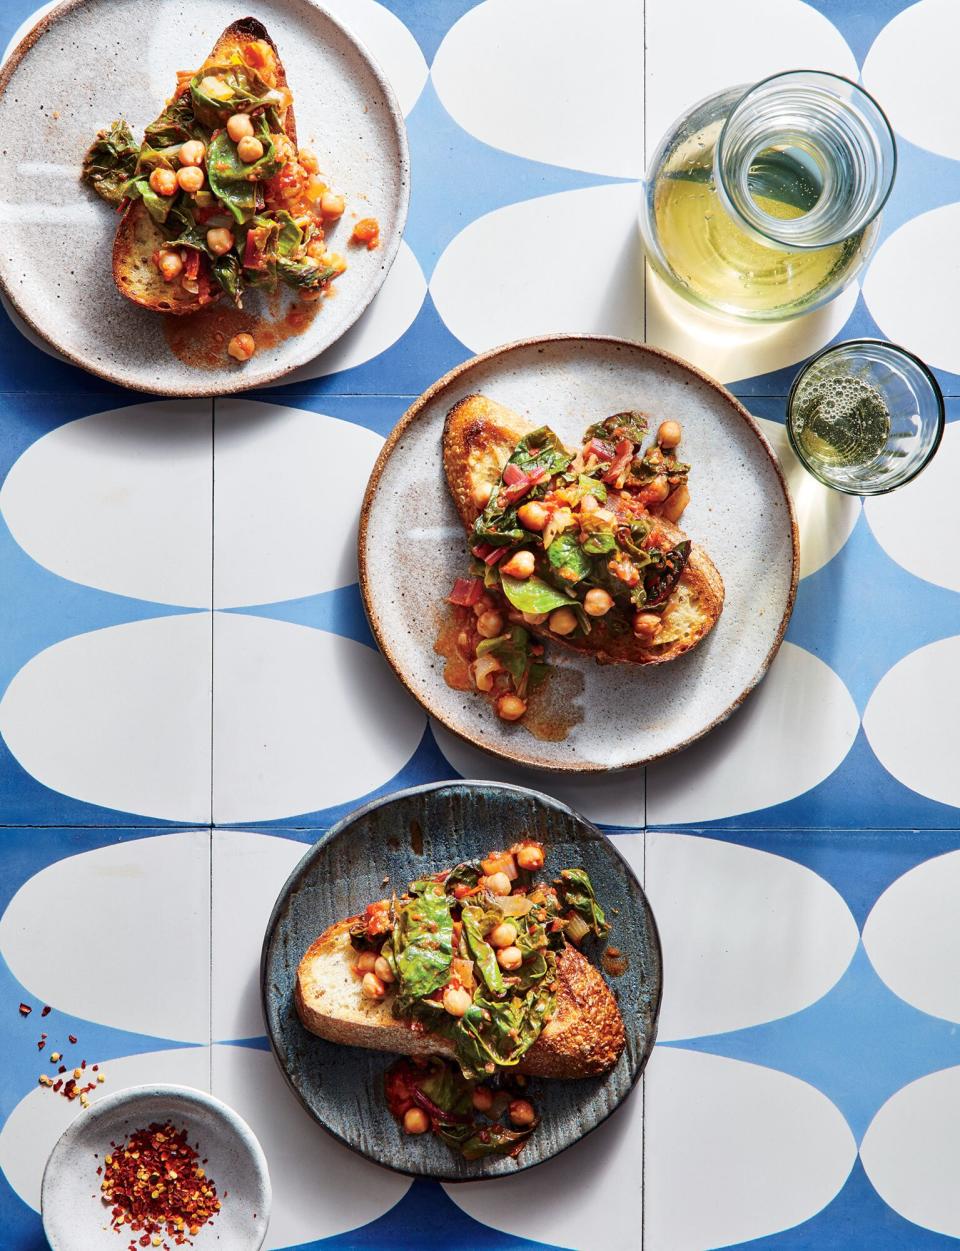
792,732
390,42
913,940
747,936
696,49
826,518
95,903
909,285
910,721
912,69
530,269
120,717
120,501
585,76
302,720
288,489
734,1151
593,1186
910,1150
611,799
933,496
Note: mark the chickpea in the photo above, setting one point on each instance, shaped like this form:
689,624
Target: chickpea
163,181
332,205
190,178
483,604
497,884
241,347
563,621
535,618
597,602
372,987
669,434
509,958
503,935
170,265
481,494
490,624
657,491
239,127
646,626
482,1098
530,857
415,1121
511,707
366,961
249,149
532,516
457,1001
383,970
219,240
521,1113
520,565
192,152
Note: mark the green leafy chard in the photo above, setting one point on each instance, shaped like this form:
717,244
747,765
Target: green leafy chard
568,558
423,942
576,892
481,951
534,594
497,1033
233,181
110,162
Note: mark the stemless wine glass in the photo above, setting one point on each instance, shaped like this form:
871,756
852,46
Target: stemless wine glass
865,416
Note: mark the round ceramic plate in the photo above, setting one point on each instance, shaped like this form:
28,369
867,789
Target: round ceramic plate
413,547
91,61
74,1216
403,837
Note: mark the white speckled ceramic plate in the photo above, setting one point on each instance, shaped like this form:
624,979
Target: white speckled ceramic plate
73,1215
90,61
412,547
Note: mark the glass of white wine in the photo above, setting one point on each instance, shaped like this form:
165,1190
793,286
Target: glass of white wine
763,202
865,416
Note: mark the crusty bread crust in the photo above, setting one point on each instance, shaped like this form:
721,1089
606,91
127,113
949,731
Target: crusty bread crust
138,236
584,1037
479,436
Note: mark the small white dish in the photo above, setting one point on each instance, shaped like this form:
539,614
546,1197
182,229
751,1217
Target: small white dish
76,1219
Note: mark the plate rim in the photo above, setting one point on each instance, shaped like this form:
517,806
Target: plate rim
313,852
579,768
174,1091
388,249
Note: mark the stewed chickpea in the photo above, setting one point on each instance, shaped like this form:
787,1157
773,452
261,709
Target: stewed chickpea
366,961
509,958
481,494
511,707
170,265
239,127
490,624
415,1121
372,987
383,970
669,434
521,1113
163,181
530,857
535,618
457,1001
597,602
332,205
249,149
646,626
563,621
483,604
482,1098
219,240
190,178
657,491
241,347
192,152
497,884
532,516
520,565
503,935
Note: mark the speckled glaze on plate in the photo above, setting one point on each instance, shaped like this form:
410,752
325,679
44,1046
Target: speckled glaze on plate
402,837
78,70
73,1219
413,547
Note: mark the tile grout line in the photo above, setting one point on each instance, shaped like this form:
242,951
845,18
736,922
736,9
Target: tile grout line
213,556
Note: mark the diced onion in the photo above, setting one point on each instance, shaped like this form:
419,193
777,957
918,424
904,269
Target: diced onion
576,928
514,905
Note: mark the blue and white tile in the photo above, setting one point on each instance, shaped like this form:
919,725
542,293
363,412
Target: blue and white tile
391,43
734,1151
747,936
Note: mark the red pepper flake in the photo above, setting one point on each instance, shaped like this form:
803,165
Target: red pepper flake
41,1043
46,1010
83,1064
25,1009
95,1067
62,1068
72,1038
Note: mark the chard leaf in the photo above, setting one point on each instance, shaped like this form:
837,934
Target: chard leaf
567,558
466,874
423,942
232,181
576,891
110,162
533,594
630,425
481,951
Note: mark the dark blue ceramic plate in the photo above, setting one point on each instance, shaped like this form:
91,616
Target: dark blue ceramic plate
406,836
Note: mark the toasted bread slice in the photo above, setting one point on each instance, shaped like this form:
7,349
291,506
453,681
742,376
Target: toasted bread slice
138,237
478,439
583,1038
